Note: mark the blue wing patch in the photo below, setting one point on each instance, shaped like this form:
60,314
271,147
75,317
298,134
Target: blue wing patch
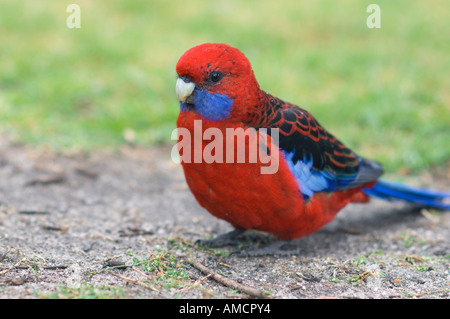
311,180
308,180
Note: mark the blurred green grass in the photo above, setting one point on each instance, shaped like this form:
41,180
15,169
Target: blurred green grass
384,92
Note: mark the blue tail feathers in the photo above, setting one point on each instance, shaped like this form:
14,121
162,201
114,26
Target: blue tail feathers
420,196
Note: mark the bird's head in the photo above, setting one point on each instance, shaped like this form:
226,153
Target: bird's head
216,81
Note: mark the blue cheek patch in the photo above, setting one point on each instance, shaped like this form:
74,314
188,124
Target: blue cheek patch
210,106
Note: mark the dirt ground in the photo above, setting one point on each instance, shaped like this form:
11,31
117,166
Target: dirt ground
120,224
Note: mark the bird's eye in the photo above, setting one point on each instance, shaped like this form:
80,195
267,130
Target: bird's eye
215,76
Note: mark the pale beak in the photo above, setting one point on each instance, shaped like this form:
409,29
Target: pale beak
184,90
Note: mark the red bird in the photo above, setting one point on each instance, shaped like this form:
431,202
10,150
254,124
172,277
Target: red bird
317,175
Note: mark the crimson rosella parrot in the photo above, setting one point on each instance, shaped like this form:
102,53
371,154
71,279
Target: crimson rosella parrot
316,176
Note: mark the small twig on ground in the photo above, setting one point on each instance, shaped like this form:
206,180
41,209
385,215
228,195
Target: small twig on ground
46,180
33,212
134,281
139,272
226,281
57,267
55,228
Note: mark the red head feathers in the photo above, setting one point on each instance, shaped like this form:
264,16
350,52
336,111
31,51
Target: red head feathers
213,70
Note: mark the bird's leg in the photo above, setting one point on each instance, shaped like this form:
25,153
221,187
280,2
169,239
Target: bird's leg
228,239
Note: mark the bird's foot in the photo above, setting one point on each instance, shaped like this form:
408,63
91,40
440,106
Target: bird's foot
276,248
250,244
228,239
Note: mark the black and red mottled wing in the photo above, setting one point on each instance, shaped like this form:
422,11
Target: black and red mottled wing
318,160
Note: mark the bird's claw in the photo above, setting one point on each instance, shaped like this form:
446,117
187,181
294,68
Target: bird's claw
277,248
